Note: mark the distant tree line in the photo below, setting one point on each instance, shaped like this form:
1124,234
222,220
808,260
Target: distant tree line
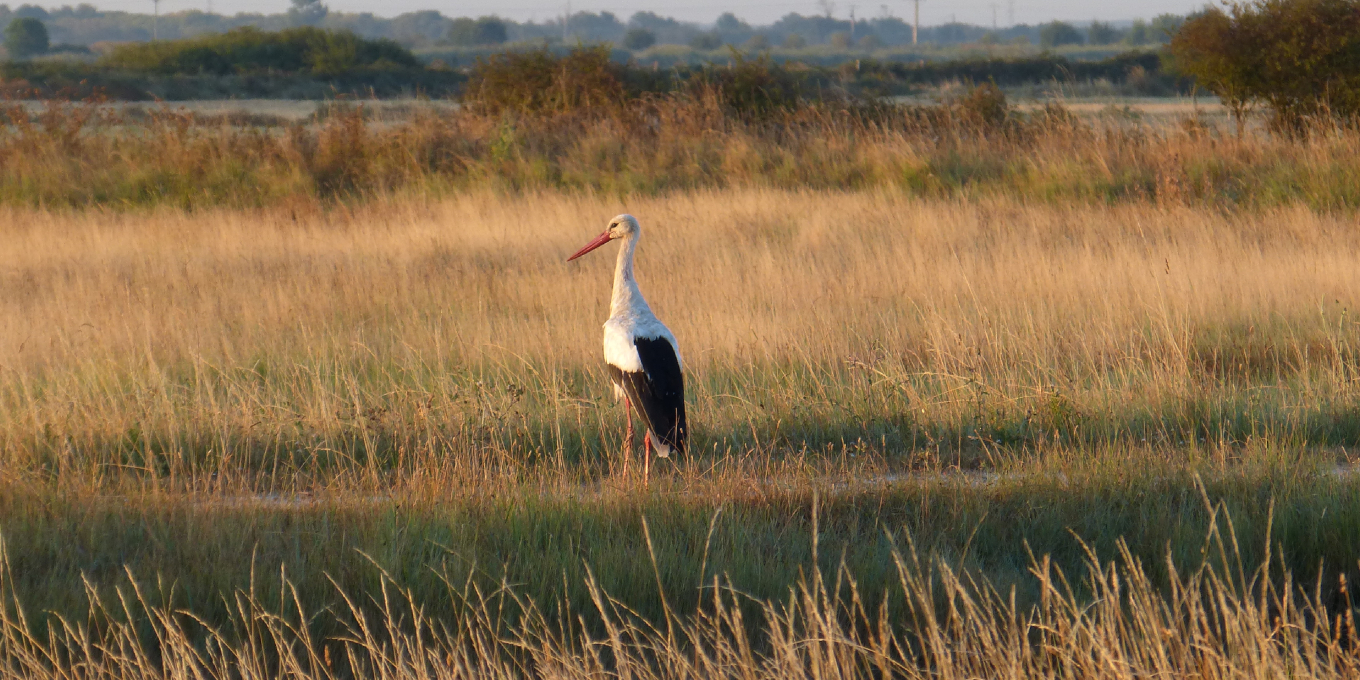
587,79
311,62
1146,66
86,25
303,50
304,62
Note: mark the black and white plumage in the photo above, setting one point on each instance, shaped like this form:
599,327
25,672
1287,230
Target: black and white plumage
657,391
642,354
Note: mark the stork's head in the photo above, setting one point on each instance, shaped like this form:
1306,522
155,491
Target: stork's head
622,226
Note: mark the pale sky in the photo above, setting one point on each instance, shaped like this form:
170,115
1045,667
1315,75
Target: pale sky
933,12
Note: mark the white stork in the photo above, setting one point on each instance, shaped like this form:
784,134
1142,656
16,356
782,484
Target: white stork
643,359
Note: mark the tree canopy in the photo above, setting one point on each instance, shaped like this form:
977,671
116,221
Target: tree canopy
25,37
1301,58
1059,33
482,31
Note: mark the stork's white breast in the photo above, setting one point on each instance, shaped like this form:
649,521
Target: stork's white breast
620,349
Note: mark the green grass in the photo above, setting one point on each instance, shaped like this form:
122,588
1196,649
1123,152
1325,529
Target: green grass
544,538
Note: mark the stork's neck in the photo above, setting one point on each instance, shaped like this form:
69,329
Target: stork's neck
627,299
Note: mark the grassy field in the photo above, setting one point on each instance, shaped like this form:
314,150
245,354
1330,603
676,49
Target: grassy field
220,423
77,155
975,391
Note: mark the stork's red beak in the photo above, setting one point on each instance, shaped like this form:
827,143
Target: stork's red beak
599,241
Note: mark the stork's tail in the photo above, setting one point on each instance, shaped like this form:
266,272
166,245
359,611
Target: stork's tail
663,450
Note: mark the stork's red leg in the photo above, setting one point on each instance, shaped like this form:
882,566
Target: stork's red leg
647,456
628,438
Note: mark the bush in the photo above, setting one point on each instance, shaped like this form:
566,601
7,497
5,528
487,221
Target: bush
1299,57
749,89
638,39
1057,34
304,50
538,83
484,31
26,37
984,107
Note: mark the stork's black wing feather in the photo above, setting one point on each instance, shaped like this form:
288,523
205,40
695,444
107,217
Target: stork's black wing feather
657,391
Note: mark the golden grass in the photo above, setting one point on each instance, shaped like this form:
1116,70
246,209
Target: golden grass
422,380
193,344
82,156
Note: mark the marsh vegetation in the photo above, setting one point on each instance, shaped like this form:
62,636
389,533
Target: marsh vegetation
321,398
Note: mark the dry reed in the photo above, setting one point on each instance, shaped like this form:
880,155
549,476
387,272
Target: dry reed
194,345
81,155
1222,619
424,363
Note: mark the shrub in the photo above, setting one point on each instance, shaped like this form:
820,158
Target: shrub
1057,34
750,88
794,41
984,107
537,82
1299,57
25,37
249,50
1218,53
483,31
638,39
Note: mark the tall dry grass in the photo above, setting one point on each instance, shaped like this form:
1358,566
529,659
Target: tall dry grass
420,380
81,155
282,347
1233,616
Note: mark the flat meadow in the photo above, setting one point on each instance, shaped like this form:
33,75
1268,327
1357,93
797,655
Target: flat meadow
1041,397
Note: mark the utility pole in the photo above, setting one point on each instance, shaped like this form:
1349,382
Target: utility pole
155,18
852,24
916,21
994,6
